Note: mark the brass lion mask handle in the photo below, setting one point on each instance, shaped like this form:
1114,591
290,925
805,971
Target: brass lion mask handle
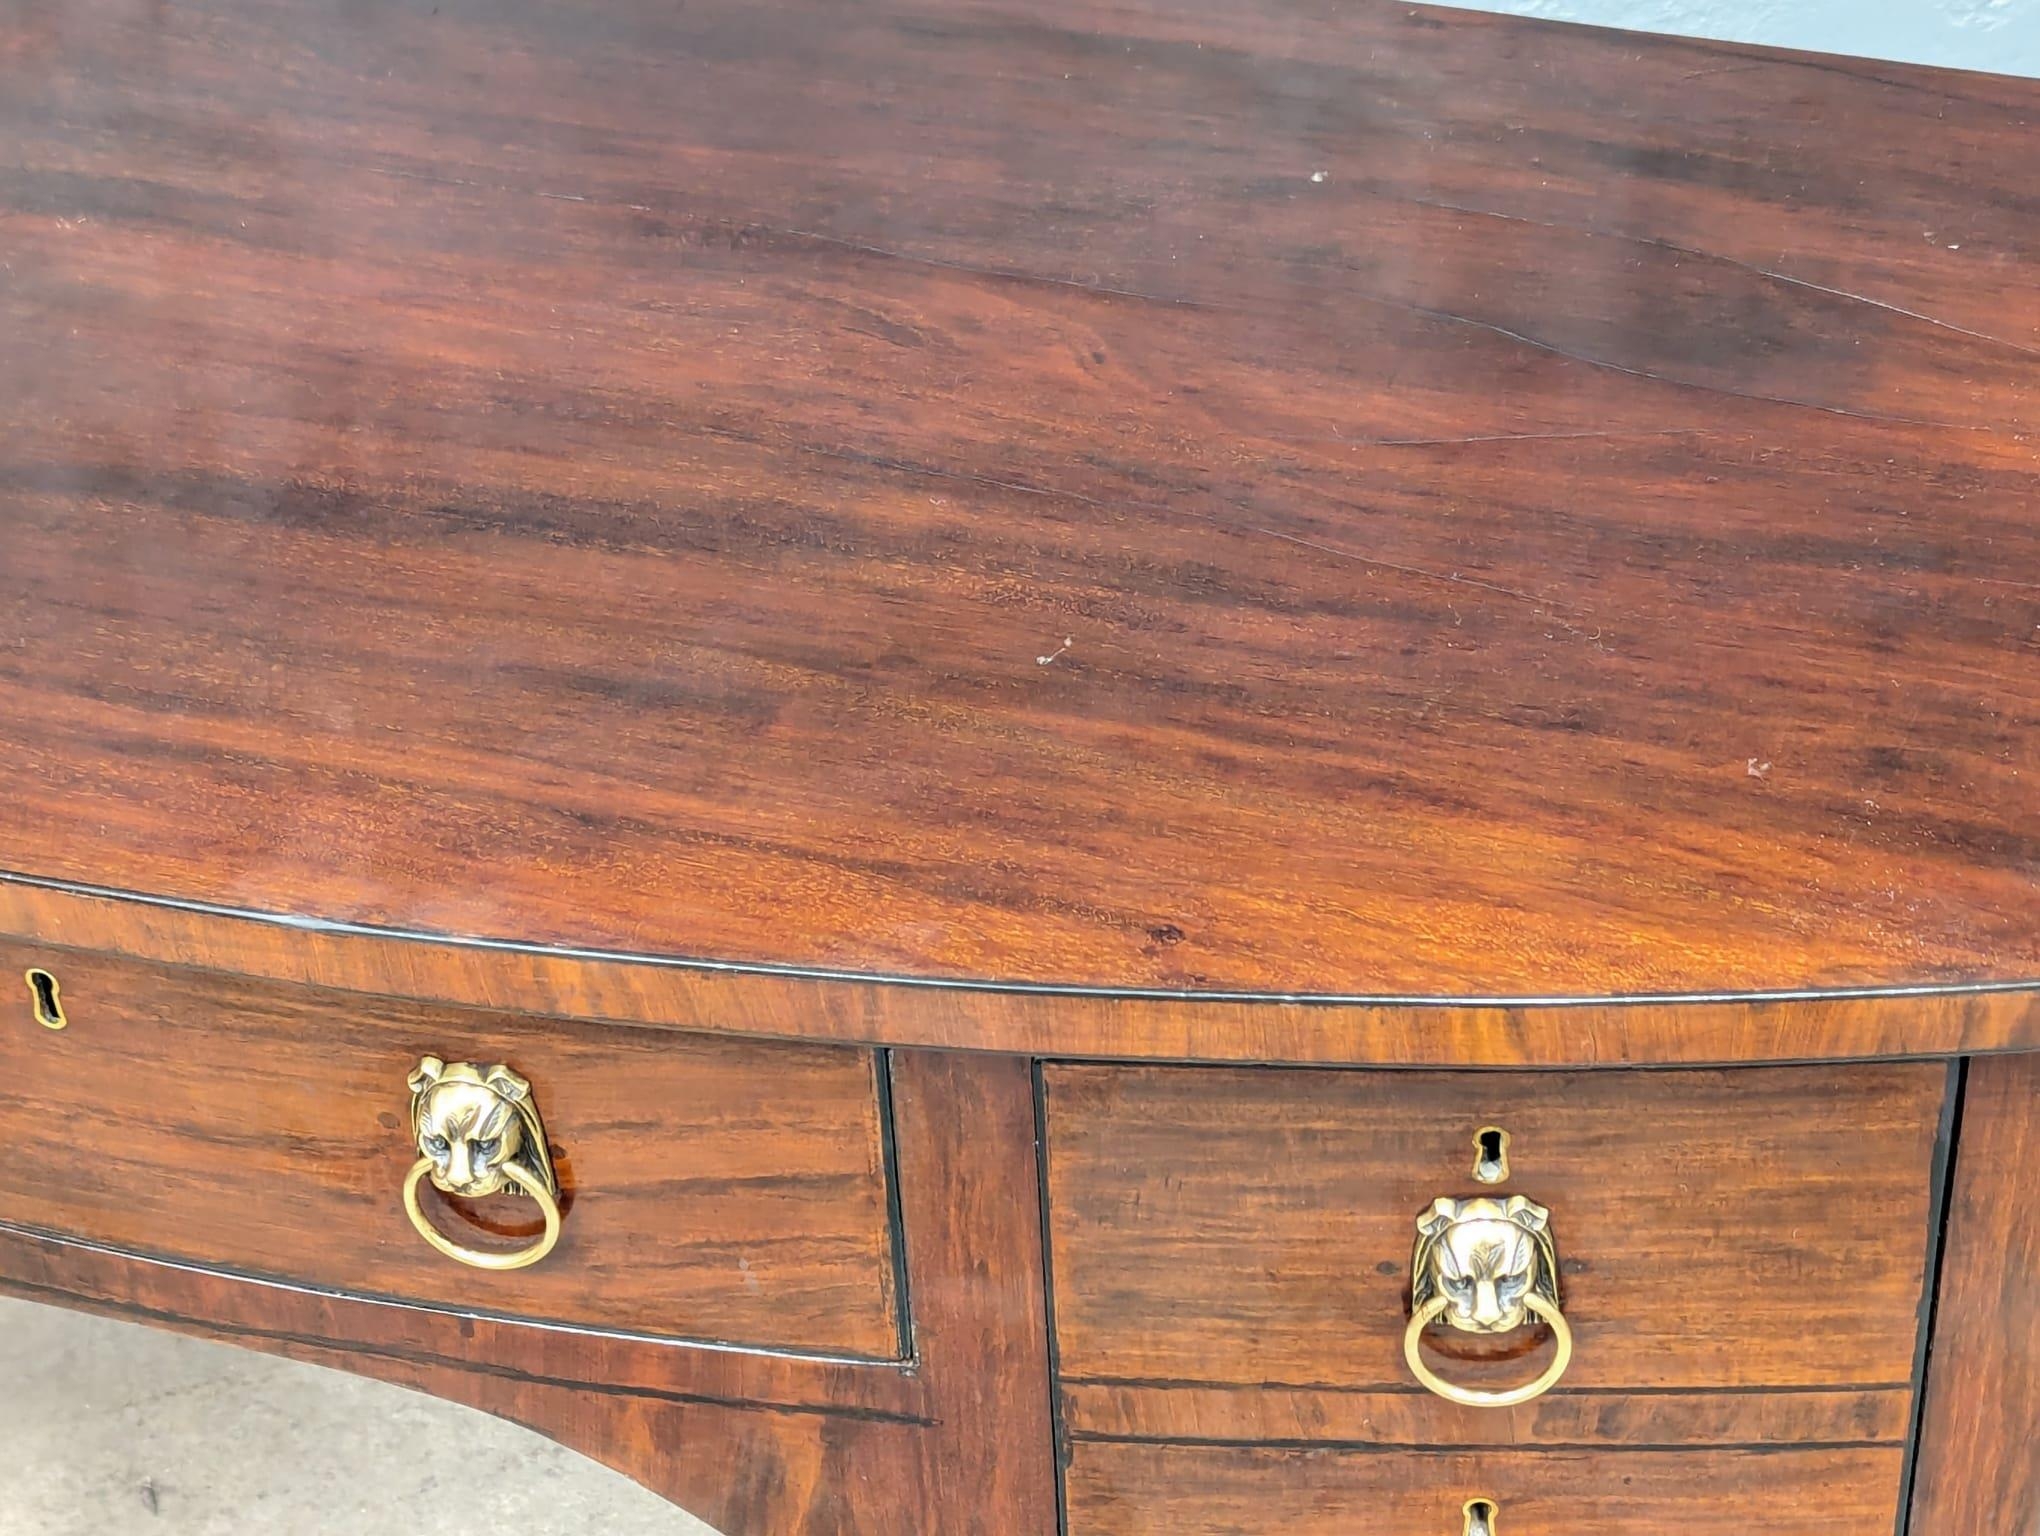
478,1132
1485,1265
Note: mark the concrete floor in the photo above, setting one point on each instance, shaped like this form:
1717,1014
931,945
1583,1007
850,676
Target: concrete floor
109,1427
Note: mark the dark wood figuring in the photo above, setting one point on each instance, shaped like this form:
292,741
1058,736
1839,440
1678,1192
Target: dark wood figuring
1979,1458
1173,1028
713,1189
1347,535
1299,499
1145,1490
955,1440
1717,1231
1192,1413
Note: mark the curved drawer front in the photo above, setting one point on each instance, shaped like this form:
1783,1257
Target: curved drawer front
709,1188
1149,1490
1739,1259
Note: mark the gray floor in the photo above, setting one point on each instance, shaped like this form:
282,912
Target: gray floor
111,1427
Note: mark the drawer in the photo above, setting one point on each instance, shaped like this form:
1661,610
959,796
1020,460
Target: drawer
710,1189
1150,1490
1232,1251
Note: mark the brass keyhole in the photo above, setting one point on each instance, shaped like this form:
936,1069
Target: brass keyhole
49,1006
1491,1155
1481,1516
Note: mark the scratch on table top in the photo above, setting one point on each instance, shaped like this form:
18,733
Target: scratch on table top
1655,242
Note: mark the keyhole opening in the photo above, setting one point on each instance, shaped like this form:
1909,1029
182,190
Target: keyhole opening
1491,1155
49,1007
1481,1515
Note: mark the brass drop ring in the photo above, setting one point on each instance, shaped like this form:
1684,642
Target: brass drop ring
478,1132
1473,1397
525,1181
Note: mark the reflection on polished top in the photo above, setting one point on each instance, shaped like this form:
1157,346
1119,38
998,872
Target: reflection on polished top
1344,499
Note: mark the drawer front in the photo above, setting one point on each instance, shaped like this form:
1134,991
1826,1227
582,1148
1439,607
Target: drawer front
1229,1236
1153,1490
711,1189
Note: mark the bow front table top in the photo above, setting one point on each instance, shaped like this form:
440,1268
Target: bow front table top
855,750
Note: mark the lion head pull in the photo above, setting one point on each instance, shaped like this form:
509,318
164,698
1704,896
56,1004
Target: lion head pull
479,1134
1484,1256
1486,1264
476,1124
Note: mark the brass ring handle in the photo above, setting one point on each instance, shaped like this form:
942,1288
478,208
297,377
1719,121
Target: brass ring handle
1486,1265
478,1133
1475,1397
485,1258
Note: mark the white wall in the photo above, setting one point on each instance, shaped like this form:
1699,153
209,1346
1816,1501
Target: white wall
2000,35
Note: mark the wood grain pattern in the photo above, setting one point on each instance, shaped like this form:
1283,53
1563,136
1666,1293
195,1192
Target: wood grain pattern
1304,499
1330,1416
1746,1230
1979,1459
713,1189
956,1440
642,991
1143,1490
1320,533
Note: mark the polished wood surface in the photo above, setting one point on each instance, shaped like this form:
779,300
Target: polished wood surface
1340,535
713,1189
1306,499
1979,1467
642,991
1717,1231
1140,1490
955,1440
1398,1416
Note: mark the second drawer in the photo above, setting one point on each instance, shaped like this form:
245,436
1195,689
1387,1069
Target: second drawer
1163,1490
1232,1250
